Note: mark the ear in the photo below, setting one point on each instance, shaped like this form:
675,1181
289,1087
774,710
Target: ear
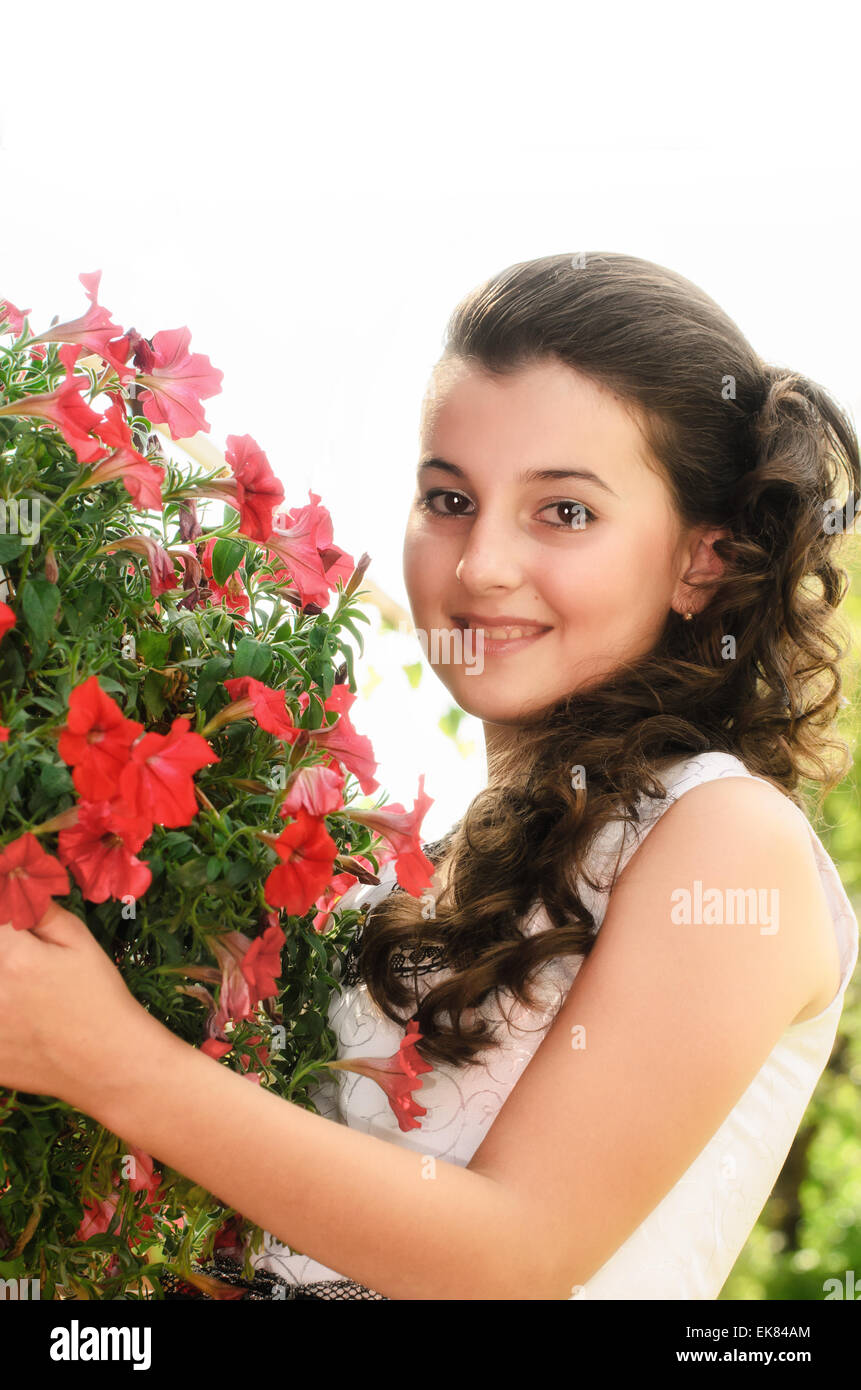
703,567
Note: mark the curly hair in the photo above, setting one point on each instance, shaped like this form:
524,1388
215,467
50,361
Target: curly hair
761,451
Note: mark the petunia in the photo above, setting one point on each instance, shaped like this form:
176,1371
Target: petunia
318,789
297,544
7,619
96,741
401,829
335,563
93,330
4,733
268,706
342,742
232,591
65,409
143,480
98,1214
308,853
100,850
14,317
253,490
162,574
158,781
29,879
398,1075
261,964
174,381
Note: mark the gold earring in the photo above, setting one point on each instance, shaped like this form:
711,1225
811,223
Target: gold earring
688,617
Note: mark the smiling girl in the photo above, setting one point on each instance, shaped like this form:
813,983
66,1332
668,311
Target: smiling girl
627,506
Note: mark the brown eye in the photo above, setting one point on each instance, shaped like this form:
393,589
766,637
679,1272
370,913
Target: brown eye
426,502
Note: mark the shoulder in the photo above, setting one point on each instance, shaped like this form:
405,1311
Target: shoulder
731,860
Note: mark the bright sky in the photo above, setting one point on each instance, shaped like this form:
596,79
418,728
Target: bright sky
312,189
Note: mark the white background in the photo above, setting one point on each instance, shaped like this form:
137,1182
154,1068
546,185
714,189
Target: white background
312,189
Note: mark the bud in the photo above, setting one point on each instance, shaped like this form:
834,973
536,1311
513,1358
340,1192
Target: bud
52,569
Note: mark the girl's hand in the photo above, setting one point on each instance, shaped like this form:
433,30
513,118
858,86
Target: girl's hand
67,1019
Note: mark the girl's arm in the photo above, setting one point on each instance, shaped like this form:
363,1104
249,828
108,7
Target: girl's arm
672,1022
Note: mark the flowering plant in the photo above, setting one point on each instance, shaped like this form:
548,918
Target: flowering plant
178,766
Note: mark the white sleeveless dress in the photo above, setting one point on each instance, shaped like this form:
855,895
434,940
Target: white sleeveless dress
687,1245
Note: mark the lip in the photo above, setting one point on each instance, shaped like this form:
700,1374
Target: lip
497,646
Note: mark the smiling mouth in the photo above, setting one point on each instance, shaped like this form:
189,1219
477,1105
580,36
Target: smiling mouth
503,632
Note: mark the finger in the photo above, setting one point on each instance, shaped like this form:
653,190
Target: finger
60,927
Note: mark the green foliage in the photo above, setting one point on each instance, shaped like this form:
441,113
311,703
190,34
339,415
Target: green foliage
86,609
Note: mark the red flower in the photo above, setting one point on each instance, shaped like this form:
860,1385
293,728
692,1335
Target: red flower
261,964
4,733
232,592
96,741
7,619
15,317
158,783
142,479
342,742
269,707
259,491
215,1049
319,790
100,851
253,490
64,409
308,853
176,381
401,829
29,878
398,1075
333,893
93,330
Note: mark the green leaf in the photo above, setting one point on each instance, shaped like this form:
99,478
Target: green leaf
252,658
226,558
39,603
10,548
153,647
153,695
210,677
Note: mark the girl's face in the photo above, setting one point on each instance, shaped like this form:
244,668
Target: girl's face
586,563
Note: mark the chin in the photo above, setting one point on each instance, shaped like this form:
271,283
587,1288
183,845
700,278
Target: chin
495,706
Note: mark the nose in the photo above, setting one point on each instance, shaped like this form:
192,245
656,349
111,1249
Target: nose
490,558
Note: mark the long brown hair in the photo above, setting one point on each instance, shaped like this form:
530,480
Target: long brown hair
758,449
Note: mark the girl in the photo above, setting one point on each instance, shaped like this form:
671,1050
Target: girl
630,973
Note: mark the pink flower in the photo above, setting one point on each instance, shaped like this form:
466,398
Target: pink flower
297,540
143,480
401,829
92,331
64,409
175,380
342,742
162,574
398,1075
319,790
14,317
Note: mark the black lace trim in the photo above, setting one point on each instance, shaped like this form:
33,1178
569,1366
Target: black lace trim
264,1286
419,960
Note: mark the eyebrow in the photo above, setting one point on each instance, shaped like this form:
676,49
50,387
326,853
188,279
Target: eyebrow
532,475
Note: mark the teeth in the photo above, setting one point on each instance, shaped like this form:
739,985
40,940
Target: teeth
505,634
